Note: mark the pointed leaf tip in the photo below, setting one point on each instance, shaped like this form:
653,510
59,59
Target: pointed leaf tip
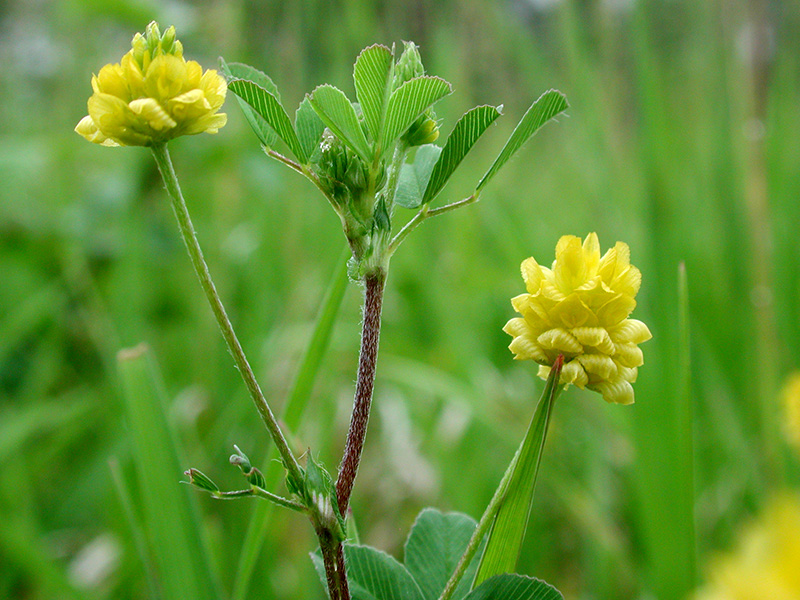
547,106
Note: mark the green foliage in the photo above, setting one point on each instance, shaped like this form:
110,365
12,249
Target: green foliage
511,586
547,106
262,128
270,109
464,135
433,549
511,522
409,101
415,176
337,112
179,553
372,75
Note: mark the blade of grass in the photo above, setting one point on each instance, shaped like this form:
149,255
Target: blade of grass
181,557
292,416
508,529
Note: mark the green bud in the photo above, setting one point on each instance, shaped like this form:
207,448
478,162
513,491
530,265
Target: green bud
240,460
253,475
201,480
168,40
408,66
425,130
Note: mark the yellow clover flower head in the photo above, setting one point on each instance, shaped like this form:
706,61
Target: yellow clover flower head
580,309
766,562
153,95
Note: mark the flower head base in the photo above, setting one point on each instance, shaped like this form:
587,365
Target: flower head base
153,95
580,309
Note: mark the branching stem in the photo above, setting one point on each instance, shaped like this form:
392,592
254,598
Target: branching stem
426,213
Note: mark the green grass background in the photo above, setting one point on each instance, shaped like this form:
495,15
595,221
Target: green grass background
681,140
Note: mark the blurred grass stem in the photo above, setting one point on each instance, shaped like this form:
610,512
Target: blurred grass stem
161,155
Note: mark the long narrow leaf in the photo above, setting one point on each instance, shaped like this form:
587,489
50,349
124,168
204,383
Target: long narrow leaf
261,128
508,530
464,135
547,106
181,557
372,75
270,108
337,112
409,101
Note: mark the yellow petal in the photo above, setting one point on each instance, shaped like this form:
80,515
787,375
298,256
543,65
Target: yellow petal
629,355
574,373
598,364
595,337
89,130
165,77
532,275
153,114
526,348
617,392
630,330
569,269
560,340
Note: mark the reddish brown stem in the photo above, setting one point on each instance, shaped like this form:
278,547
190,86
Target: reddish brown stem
373,300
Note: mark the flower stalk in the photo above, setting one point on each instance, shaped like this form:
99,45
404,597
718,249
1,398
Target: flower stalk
161,155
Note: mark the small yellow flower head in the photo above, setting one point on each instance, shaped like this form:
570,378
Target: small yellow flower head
766,564
580,309
791,404
153,95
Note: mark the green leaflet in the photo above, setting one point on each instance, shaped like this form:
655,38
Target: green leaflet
262,129
372,75
547,106
337,112
373,575
409,101
309,127
434,548
464,135
415,176
512,586
270,109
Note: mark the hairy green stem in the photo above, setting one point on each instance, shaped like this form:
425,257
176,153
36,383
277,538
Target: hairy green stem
164,163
